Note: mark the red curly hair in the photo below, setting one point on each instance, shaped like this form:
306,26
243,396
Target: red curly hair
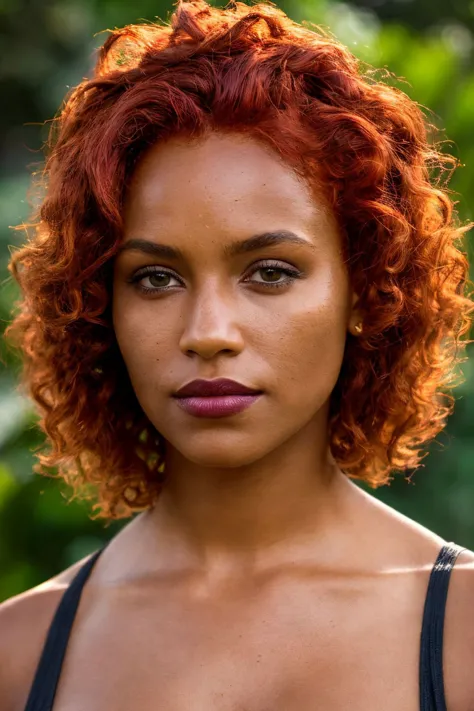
247,69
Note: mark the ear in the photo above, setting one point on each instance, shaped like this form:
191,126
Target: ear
356,319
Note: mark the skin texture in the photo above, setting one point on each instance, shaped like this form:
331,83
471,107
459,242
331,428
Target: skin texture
263,578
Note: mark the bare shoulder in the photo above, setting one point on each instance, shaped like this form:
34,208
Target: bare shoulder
458,647
24,623
406,542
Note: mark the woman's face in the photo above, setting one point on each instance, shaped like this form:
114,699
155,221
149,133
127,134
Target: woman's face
212,313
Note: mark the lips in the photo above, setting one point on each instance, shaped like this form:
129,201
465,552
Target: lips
214,388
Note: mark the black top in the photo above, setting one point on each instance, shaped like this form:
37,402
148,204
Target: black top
432,697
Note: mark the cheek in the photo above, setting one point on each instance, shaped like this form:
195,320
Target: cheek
142,340
305,348
311,342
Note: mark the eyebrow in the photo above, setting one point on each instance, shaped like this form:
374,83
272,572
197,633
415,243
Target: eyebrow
265,239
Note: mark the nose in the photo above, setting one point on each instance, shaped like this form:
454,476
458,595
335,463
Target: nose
210,323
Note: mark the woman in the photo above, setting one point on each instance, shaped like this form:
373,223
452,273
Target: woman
242,293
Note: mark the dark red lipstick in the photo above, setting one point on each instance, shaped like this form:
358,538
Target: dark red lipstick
215,398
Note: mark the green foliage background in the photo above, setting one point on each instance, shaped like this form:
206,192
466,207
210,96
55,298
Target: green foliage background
47,46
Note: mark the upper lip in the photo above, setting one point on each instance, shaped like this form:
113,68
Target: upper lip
207,388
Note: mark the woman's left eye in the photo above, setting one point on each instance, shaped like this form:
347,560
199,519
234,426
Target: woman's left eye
275,269
271,270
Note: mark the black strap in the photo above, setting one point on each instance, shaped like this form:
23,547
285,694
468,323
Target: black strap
46,679
432,696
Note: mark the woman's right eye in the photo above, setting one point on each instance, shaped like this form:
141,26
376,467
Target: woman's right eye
158,275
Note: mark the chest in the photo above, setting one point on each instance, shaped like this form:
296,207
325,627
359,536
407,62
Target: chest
290,648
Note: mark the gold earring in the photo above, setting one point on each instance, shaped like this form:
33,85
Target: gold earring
358,327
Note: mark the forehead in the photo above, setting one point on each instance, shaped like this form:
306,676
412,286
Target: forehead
225,180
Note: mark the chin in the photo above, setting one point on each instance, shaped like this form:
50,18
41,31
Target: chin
221,450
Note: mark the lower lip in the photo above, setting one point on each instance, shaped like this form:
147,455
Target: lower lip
221,406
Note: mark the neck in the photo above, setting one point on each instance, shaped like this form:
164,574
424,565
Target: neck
250,515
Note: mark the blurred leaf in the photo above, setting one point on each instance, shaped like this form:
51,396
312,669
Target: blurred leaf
15,411
8,485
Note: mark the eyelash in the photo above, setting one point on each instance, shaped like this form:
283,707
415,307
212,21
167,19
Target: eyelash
291,275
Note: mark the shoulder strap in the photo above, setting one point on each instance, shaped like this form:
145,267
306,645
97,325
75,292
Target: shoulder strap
432,696
46,679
